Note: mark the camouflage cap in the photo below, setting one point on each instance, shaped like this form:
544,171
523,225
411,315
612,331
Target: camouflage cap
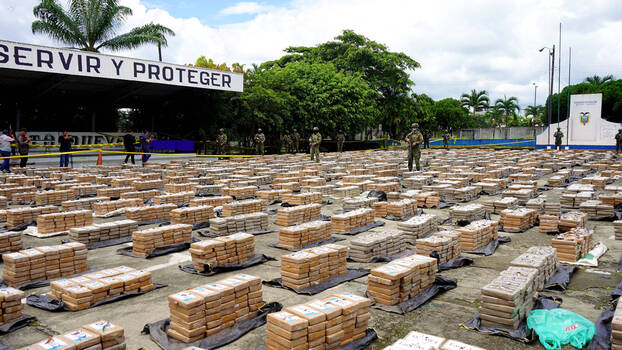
259,130
316,128
222,130
415,125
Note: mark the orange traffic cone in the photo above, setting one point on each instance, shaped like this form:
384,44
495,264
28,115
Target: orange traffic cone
99,158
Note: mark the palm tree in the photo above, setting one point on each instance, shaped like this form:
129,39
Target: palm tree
597,80
476,101
508,106
91,25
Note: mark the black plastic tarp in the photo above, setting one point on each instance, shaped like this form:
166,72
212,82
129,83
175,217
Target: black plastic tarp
43,302
213,270
361,229
491,247
106,243
12,326
310,245
353,273
522,333
393,218
207,234
157,331
381,195
359,344
455,263
441,284
560,280
159,251
377,259
602,338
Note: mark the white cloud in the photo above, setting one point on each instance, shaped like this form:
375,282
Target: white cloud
243,8
480,44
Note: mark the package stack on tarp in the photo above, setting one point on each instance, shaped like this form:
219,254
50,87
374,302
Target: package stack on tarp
477,234
574,244
599,182
298,214
10,304
58,222
224,250
617,228
244,192
209,189
385,243
548,223
417,182
596,208
522,194
312,266
352,220
103,231
142,195
543,259
215,201
468,212
253,222
10,242
401,279
243,207
574,200
536,204
346,192
148,213
518,219
144,241
192,215
271,195
99,335
113,192
180,198
82,204
418,227
147,184
572,219
416,340
105,207
54,197
357,203
465,194
424,198
44,263
180,187
552,208
293,237
402,209
446,244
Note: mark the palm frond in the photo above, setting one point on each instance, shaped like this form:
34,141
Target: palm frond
147,34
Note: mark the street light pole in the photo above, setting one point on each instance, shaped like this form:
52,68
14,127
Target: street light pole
551,82
535,93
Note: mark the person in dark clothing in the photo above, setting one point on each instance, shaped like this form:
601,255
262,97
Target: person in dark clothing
144,145
23,146
129,142
65,142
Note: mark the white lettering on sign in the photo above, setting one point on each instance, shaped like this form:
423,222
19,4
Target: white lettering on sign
89,64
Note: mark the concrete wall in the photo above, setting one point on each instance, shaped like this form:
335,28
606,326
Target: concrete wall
516,132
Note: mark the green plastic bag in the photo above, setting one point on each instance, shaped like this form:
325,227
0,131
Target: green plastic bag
559,327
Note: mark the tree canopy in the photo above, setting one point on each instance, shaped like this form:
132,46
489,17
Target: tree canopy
612,99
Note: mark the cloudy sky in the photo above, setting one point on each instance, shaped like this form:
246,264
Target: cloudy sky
461,45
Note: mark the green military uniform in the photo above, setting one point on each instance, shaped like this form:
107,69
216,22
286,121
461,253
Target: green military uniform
315,140
296,141
341,138
619,141
559,135
426,139
260,138
221,142
414,139
287,142
446,137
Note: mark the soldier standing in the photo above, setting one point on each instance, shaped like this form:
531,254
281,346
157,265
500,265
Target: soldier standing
260,138
619,141
426,138
341,138
221,142
559,135
296,141
446,137
315,140
287,141
414,140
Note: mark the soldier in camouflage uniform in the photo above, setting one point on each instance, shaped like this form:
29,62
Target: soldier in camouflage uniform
260,138
446,137
426,138
619,141
314,141
296,141
341,138
414,139
287,141
559,135
221,142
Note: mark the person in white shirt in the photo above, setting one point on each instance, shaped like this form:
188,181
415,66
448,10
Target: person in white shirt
5,150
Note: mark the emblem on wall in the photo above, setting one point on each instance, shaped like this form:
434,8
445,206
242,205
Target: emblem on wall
584,118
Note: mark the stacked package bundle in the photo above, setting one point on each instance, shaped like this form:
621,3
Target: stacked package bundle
293,237
416,340
312,266
192,215
253,222
86,190
573,245
596,208
505,203
113,192
617,228
346,192
148,213
287,186
509,298
244,207
557,180
552,208
599,182
10,304
10,241
518,219
357,203
401,279
380,209
206,310
351,220
427,199
19,216
446,244
147,184
103,231
180,198
55,197
385,187
572,219
144,241
536,204
44,263
385,243
81,292
142,195
82,204
469,212
240,192
6,191
548,223
271,195
23,197
99,335
58,222
177,188
465,194
616,327
417,182
329,323
574,200
225,250
523,194
215,201
611,199
302,198
418,227
298,214
105,207
477,234
325,190
123,181
543,259
3,202
402,209
209,189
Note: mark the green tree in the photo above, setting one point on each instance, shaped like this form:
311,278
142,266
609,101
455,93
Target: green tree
612,100
424,112
508,106
450,114
537,113
596,80
203,62
91,25
475,101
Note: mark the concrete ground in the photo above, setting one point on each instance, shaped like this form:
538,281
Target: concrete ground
588,293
